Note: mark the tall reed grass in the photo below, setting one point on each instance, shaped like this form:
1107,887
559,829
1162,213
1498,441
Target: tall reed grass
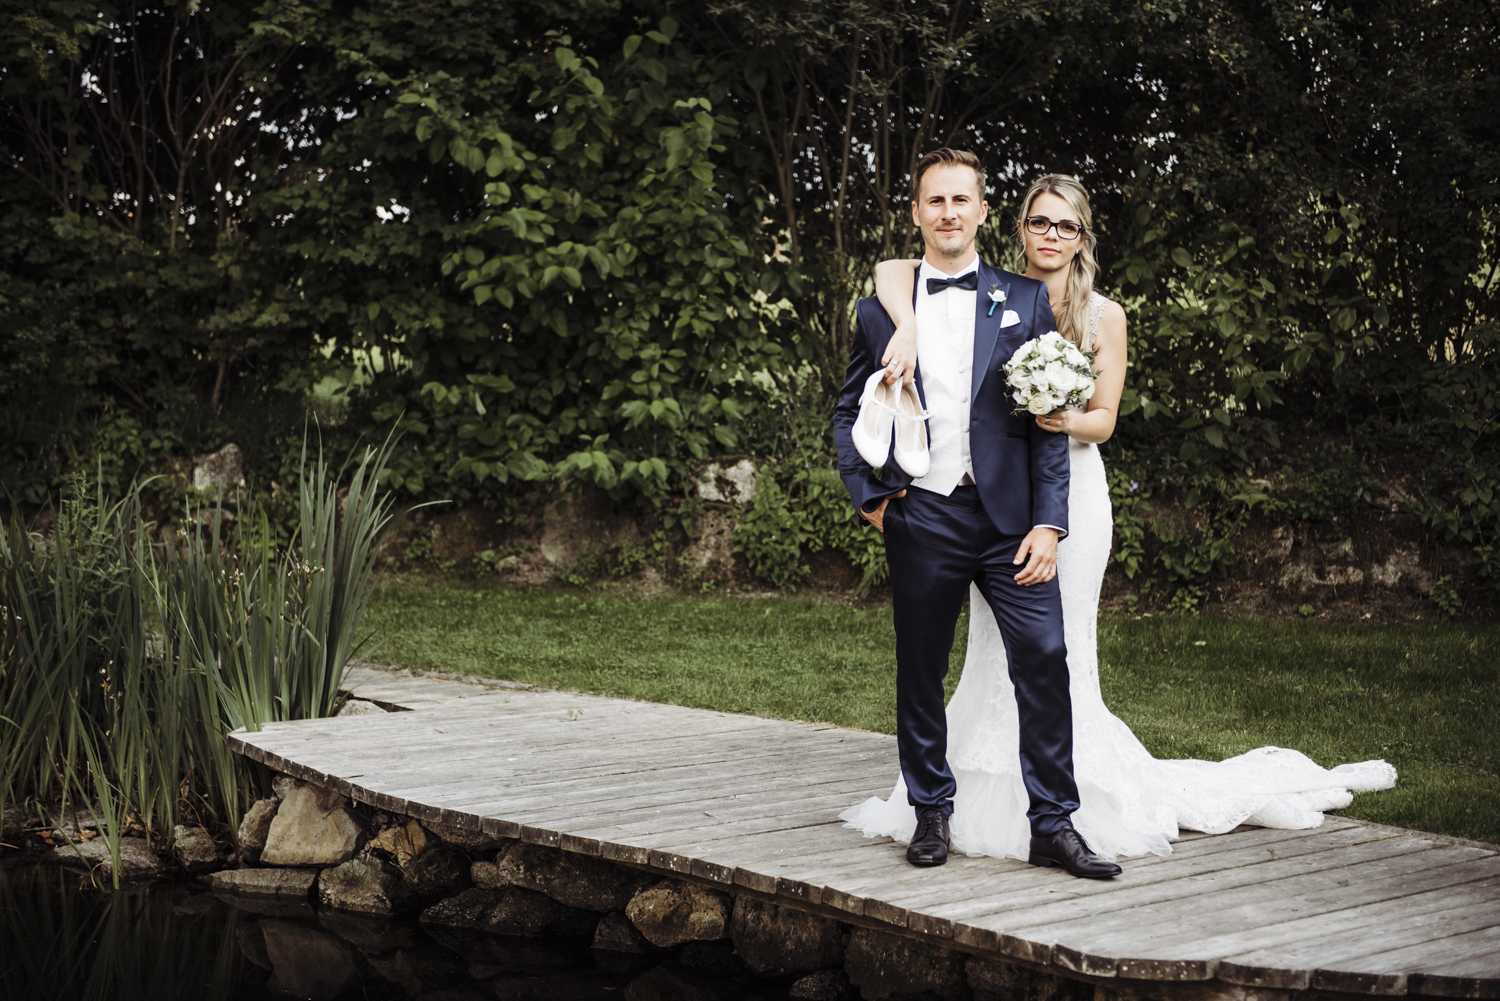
126,658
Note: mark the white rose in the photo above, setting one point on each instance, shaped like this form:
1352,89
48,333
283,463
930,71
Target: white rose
1059,377
1087,391
1041,403
1048,347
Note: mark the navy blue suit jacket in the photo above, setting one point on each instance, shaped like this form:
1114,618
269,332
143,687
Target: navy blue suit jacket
1021,470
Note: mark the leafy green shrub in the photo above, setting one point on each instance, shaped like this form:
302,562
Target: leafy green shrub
1128,499
1325,483
769,535
1444,594
631,557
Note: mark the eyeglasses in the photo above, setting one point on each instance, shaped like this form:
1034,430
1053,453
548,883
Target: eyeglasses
1039,224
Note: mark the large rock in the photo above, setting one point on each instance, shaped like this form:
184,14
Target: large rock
290,883
470,841
437,872
711,549
615,933
527,913
488,876
254,826
366,886
195,850
825,985
583,881
468,909
137,860
313,826
994,980
673,912
884,966
589,522
306,962
778,941
359,707
402,842
221,474
726,483
512,911
429,870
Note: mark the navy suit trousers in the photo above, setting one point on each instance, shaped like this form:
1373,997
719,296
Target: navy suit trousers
936,546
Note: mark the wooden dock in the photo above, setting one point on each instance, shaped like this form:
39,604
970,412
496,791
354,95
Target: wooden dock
735,800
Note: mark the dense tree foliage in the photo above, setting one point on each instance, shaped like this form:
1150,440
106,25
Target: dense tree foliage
583,241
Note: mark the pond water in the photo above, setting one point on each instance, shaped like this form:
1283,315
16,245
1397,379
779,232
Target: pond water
62,940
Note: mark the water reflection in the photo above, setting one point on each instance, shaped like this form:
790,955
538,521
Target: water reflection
61,941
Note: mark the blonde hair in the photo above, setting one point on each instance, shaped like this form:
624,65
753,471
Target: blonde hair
1072,313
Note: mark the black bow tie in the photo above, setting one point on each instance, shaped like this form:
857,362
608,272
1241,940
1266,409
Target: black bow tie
968,282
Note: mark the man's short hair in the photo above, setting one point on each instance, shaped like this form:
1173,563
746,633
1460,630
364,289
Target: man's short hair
961,157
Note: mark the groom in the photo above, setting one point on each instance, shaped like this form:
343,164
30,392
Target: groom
995,496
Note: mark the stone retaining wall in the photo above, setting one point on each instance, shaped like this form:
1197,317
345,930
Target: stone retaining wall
309,844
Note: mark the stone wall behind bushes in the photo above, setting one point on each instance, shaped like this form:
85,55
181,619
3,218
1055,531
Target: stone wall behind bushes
1376,562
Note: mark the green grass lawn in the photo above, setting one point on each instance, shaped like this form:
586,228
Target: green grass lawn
1424,697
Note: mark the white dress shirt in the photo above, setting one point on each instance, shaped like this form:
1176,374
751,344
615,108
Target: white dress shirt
945,356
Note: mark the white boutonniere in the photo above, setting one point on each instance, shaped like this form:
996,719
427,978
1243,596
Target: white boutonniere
997,298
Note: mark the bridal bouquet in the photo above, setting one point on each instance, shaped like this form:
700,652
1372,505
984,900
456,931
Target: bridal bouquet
1050,373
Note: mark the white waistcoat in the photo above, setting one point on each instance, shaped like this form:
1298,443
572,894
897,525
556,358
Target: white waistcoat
945,358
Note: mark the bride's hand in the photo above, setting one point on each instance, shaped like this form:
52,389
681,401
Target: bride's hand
900,358
1058,420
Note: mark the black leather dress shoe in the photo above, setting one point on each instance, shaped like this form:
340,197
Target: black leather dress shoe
929,846
1068,851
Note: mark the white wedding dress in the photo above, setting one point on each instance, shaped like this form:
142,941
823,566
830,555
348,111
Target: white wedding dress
1131,803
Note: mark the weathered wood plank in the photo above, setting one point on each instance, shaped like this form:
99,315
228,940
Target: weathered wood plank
1058,898
1284,956
1390,972
1235,896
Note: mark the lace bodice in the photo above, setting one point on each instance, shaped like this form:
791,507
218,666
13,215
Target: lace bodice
1097,303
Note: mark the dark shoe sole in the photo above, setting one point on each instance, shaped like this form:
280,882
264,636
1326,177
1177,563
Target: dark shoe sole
926,863
1051,863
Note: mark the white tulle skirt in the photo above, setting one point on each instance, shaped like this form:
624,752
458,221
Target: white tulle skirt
1131,803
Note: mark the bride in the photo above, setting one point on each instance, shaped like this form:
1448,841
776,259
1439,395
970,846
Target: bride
1131,803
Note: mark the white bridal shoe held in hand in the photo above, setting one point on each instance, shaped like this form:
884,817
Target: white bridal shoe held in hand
912,453
875,424
889,411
